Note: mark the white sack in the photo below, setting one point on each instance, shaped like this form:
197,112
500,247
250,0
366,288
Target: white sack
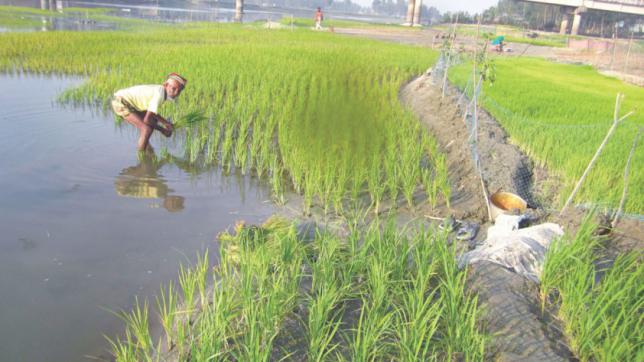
520,250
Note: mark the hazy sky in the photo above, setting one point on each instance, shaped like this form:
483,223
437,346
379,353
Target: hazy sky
471,6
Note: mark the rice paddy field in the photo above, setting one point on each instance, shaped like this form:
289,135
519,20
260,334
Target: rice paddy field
318,115
559,114
309,111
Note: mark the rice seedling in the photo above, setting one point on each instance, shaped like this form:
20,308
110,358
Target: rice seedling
600,308
558,114
201,275
418,315
190,119
167,307
189,281
138,341
124,351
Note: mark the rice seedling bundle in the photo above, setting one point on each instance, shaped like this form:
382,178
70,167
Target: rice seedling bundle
318,109
559,114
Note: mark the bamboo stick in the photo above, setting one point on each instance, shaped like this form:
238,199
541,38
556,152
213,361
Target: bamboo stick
599,150
626,170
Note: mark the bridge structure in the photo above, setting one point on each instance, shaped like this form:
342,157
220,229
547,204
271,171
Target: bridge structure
575,9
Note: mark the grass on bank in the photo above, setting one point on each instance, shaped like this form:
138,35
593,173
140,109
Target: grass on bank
315,112
376,295
559,114
600,307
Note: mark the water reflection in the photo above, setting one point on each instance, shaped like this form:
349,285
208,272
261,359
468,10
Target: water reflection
144,181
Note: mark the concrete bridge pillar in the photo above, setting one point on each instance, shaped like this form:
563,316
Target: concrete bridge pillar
563,30
409,20
239,10
576,21
417,5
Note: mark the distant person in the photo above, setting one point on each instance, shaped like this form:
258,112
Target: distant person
139,106
318,19
498,43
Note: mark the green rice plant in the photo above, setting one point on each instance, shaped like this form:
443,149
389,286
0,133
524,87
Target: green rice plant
368,341
460,315
411,160
189,281
441,179
376,186
138,339
190,119
600,308
124,351
201,274
269,282
167,302
429,185
324,321
418,313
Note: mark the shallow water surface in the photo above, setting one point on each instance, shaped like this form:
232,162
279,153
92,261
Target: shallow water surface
85,226
173,11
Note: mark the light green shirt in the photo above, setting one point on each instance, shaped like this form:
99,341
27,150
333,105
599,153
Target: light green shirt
143,97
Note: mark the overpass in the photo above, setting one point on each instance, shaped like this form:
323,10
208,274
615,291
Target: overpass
577,7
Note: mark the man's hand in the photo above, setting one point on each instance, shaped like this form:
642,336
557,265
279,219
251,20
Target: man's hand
167,130
164,126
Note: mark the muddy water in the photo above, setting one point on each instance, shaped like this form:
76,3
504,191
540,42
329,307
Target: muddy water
85,226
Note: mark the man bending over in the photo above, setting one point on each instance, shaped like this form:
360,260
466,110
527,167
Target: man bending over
140,104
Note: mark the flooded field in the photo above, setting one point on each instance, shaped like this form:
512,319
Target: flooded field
86,226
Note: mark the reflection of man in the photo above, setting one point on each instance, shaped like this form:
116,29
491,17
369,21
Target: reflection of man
143,181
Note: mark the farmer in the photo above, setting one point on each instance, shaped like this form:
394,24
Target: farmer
318,19
140,104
